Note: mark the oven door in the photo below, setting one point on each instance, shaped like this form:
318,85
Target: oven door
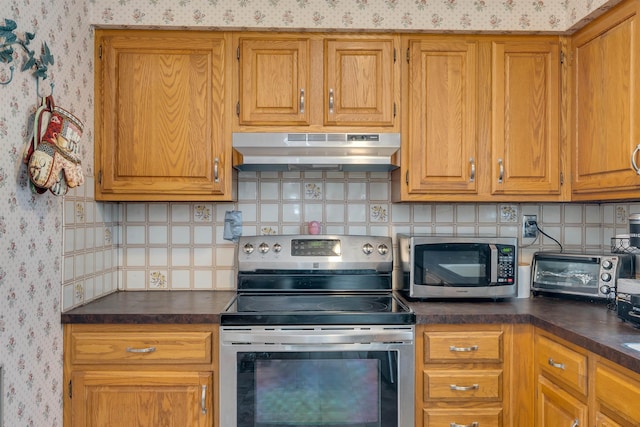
317,376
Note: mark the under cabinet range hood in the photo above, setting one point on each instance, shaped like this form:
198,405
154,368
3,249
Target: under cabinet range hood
349,152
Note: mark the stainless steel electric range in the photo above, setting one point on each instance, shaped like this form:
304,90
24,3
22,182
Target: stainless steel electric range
315,336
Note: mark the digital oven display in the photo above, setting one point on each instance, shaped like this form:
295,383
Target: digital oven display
315,247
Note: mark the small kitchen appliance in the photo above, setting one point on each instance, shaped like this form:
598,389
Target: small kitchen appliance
315,336
438,266
583,275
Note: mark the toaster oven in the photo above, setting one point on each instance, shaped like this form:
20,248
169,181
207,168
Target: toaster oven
591,276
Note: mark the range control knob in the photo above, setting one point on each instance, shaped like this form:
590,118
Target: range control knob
607,264
605,289
605,277
383,249
277,248
367,248
247,248
263,248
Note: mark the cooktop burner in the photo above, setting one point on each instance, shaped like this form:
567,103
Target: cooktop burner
347,309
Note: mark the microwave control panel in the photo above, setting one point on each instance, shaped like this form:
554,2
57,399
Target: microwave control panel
506,264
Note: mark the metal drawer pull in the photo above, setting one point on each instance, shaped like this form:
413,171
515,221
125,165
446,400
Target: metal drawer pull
576,423
216,173
473,424
301,101
463,349
203,400
501,173
555,364
140,350
633,159
464,388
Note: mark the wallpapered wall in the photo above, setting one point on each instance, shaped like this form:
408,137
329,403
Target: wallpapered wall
47,241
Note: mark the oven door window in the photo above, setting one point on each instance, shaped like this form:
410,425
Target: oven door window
313,389
578,276
461,264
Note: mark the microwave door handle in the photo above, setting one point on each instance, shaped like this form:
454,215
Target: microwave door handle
494,263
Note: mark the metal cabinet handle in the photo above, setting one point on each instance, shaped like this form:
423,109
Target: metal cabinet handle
216,170
464,388
330,101
576,423
140,350
203,400
472,177
463,349
633,159
301,101
556,364
473,424
501,173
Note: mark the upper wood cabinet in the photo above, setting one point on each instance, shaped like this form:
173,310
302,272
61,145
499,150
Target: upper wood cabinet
525,120
161,116
605,126
312,82
481,119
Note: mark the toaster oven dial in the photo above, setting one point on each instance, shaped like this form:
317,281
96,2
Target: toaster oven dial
277,248
607,264
605,289
247,248
263,248
367,248
383,249
606,277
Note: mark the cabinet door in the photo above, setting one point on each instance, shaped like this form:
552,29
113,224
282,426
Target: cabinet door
153,399
159,116
440,143
606,106
359,82
557,408
525,121
274,81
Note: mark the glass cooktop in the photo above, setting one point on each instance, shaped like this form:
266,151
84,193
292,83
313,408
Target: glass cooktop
316,309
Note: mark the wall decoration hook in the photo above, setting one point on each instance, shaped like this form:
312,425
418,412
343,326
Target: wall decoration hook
12,69
52,85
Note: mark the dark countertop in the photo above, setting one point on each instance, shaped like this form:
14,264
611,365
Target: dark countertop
589,325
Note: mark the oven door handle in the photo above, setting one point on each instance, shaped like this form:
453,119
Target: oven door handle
323,337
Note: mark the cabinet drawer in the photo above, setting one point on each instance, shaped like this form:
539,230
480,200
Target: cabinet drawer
463,385
462,418
141,347
562,363
464,347
618,390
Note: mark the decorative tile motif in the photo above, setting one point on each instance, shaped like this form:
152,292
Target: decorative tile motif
508,213
202,213
621,215
378,213
312,191
268,231
158,280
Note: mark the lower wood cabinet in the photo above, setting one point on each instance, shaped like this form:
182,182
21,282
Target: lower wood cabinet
462,375
140,375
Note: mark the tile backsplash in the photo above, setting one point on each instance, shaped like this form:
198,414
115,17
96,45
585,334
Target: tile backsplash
178,245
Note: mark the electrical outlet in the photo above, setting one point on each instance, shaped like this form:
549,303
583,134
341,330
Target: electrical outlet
529,227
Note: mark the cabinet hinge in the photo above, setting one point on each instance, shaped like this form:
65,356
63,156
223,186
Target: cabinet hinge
406,178
100,52
238,109
238,53
100,177
562,57
407,55
561,178
70,390
394,55
394,110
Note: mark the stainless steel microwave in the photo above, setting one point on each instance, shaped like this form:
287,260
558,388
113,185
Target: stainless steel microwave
436,266
592,275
